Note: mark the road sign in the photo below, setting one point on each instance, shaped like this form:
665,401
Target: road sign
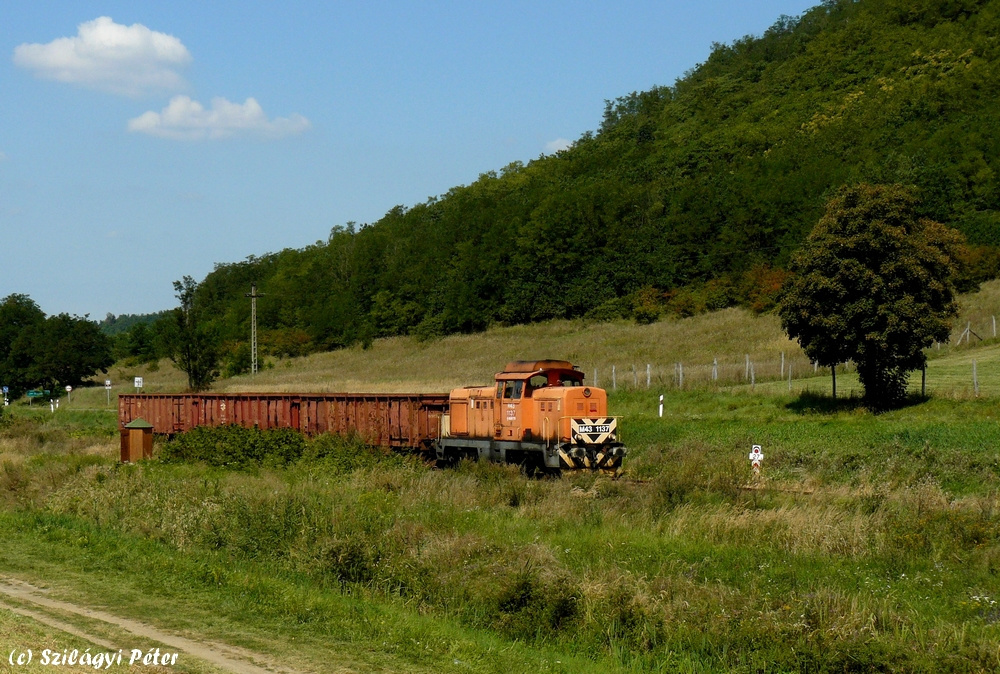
68,388
107,383
6,390
36,394
138,382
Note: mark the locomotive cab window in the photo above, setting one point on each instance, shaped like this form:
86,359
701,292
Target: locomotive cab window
536,382
569,380
518,389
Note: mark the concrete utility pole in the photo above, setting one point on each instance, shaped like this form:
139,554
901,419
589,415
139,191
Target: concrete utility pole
253,295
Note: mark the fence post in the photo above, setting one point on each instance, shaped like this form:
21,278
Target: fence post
680,372
752,379
614,379
596,385
746,375
635,377
715,369
789,377
782,363
975,378
649,374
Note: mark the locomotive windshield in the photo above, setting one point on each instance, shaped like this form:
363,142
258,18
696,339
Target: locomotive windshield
512,389
515,389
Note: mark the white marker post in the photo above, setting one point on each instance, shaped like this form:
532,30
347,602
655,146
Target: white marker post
107,388
69,393
756,456
661,406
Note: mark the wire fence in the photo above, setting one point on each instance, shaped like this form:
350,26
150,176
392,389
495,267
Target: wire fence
953,369
970,378
720,373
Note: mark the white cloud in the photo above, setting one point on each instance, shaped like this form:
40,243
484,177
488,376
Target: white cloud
128,60
185,119
557,145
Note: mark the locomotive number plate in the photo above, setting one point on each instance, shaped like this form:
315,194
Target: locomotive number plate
594,431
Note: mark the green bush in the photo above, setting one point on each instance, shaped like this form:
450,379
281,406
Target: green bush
241,448
235,447
238,360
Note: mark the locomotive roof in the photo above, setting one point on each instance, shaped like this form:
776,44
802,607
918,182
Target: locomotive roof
524,366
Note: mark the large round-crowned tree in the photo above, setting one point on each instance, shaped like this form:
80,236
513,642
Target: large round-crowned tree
873,283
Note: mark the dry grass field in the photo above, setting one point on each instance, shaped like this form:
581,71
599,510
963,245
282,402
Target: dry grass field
727,338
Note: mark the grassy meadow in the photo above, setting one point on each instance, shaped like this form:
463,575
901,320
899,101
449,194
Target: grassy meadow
869,543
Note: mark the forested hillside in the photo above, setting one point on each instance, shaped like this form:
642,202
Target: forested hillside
685,197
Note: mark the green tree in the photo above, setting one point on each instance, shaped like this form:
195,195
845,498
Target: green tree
873,283
239,360
193,345
18,314
138,344
63,350
50,352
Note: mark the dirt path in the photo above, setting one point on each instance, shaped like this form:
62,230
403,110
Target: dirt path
227,657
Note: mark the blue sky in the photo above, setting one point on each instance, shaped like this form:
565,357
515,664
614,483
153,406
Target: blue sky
144,141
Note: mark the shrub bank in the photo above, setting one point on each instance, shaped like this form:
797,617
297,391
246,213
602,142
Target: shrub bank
614,570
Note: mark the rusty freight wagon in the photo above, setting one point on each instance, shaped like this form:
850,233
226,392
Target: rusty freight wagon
386,420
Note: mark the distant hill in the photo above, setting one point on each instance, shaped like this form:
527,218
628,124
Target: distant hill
113,325
685,197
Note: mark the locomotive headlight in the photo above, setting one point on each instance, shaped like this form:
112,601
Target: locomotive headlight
586,393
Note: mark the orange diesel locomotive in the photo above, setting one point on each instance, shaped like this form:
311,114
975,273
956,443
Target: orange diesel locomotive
537,412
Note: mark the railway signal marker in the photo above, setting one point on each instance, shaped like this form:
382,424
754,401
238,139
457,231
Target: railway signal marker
755,458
